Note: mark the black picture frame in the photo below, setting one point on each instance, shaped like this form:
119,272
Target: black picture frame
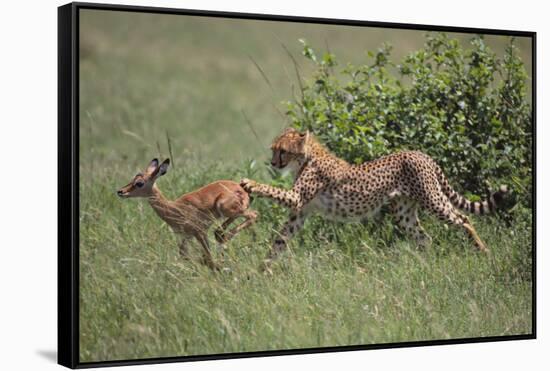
68,181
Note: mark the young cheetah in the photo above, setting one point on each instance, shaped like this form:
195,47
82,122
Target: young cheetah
338,190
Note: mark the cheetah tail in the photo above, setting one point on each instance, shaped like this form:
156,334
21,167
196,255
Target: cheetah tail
487,206
479,207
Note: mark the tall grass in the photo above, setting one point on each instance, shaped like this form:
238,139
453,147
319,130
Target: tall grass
339,284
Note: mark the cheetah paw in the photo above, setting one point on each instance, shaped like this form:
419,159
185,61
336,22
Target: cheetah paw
248,185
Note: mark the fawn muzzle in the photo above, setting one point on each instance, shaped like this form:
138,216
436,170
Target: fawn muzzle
122,194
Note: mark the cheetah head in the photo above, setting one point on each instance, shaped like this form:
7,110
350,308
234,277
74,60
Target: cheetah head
289,148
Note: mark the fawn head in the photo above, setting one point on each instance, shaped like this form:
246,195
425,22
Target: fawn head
142,184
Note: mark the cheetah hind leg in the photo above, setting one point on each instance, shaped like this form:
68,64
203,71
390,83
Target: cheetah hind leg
451,215
473,234
405,212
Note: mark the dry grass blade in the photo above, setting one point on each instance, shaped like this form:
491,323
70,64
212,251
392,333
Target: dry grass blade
135,136
295,63
269,84
251,127
263,74
296,68
158,149
170,150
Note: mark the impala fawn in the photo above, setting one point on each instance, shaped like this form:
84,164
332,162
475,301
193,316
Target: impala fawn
192,214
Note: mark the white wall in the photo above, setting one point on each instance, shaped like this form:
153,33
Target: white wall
28,182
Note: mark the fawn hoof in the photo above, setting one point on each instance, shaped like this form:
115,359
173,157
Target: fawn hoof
185,257
265,267
216,268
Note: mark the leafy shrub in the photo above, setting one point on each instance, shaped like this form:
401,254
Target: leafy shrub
464,107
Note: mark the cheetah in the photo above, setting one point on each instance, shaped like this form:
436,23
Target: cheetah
338,190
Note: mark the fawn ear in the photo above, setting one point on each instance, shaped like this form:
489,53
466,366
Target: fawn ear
163,168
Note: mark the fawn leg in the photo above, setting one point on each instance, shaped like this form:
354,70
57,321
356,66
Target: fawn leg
250,217
219,233
206,252
184,248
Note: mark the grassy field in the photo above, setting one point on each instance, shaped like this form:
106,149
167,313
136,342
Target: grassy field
146,78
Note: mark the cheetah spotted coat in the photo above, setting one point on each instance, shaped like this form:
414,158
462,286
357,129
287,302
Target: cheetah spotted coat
338,190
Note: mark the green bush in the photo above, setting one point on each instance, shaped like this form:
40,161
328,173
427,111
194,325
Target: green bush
463,106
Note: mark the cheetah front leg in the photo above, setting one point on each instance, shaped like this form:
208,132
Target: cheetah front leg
288,198
293,225
306,186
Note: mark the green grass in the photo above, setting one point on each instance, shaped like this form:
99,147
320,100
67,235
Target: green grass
340,284
143,79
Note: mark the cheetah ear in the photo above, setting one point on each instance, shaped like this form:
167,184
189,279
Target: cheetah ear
303,141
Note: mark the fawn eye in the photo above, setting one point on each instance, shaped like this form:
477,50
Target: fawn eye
139,184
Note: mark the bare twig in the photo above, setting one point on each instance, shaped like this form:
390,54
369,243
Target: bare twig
328,51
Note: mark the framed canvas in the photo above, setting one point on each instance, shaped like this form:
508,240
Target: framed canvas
241,185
